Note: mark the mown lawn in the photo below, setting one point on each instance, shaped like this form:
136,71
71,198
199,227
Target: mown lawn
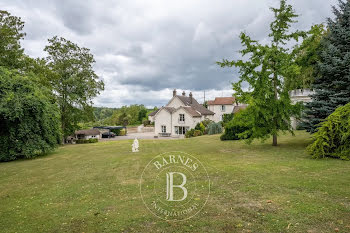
255,188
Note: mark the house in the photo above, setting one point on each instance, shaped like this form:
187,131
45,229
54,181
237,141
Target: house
300,95
87,134
179,115
224,105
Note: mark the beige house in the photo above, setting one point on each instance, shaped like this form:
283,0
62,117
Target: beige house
179,115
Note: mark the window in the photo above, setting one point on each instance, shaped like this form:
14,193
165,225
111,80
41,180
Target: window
223,108
181,130
163,129
182,117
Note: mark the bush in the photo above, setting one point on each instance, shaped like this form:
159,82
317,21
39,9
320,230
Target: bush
122,132
226,118
93,140
189,133
116,131
81,141
214,128
333,136
29,118
239,127
146,122
197,133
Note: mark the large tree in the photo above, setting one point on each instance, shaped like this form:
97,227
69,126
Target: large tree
11,52
332,85
73,81
29,119
265,71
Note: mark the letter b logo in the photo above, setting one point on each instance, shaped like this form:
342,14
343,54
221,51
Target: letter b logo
170,186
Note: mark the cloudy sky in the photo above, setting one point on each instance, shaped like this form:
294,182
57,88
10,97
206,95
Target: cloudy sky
146,48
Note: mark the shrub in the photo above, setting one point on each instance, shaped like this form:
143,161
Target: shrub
81,141
29,118
146,122
122,132
240,127
197,133
226,118
116,131
189,133
333,136
214,128
93,140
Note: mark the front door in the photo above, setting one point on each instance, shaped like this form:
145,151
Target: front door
181,130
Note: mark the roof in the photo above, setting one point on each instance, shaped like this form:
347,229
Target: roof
237,109
222,101
196,107
154,113
88,132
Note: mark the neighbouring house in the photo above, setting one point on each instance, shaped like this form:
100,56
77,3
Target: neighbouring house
87,134
224,105
300,95
179,115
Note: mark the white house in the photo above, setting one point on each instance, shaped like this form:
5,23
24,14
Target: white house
179,115
300,95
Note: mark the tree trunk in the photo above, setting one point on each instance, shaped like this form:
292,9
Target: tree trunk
274,143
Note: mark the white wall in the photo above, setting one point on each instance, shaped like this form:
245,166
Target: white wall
218,112
175,103
189,120
163,117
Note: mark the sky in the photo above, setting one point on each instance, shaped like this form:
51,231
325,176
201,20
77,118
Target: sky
146,48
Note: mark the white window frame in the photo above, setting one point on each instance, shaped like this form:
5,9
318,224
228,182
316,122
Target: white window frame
163,127
182,117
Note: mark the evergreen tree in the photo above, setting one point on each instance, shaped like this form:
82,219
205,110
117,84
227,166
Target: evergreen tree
332,85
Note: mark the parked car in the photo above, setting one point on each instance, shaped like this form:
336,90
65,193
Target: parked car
108,135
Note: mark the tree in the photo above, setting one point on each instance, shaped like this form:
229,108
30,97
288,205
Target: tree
29,120
73,81
11,52
307,57
265,72
332,85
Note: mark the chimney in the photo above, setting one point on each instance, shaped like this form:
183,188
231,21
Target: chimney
174,92
190,98
183,93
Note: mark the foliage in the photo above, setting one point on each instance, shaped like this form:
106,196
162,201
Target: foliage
265,72
333,137
227,118
197,133
332,85
189,133
200,126
214,128
307,57
29,120
74,81
127,115
102,113
116,131
11,52
122,132
84,141
146,122
240,127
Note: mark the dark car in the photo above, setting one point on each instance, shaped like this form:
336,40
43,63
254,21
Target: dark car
108,135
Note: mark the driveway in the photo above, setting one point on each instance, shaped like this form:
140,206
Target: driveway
147,135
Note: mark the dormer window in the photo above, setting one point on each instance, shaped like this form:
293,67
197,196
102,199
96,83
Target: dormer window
182,117
223,108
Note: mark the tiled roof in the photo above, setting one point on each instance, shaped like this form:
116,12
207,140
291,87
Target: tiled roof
88,132
154,113
195,105
222,101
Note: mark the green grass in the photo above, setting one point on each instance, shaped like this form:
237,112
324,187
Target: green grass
94,188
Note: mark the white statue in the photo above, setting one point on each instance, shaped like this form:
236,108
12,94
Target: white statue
135,146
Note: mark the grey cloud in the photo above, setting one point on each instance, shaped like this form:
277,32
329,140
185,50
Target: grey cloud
151,46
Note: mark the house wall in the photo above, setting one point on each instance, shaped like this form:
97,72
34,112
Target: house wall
175,103
218,112
189,120
90,136
163,117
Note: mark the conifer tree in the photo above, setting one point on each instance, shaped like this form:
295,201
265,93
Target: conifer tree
332,84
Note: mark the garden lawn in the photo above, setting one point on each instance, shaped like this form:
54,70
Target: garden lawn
254,188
